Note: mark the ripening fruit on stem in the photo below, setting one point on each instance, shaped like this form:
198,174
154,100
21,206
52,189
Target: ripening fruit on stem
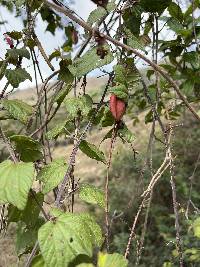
9,41
117,107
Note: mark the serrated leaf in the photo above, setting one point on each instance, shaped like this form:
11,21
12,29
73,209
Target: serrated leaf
92,151
82,104
72,106
15,182
133,41
120,91
90,61
111,260
92,195
28,148
100,12
18,109
96,15
57,130
22,52
120,74
52,174
67,236
85,104
16,76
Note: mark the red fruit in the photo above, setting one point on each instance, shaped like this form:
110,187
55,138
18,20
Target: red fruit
117,107
9,41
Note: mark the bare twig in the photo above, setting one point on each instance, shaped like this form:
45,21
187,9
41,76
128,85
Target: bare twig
112,142
31,256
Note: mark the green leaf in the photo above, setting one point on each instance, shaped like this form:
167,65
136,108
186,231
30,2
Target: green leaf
52,174
96,15
55,54
108,135
85,104
196,227
16,76
19,3
150,73
132,19
155,6
120,74
187,87
192,58
175,11
92,195
29,215
15,182
66,236
108,119
82,104
38,261
92,151
111,260
56,131
59,98
18,109
120,91
126,135
133,41
64,74
175,25
26,237
3,66
4,115
149,117
100,12
90,61
15,35
72,106
28,148
22,52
